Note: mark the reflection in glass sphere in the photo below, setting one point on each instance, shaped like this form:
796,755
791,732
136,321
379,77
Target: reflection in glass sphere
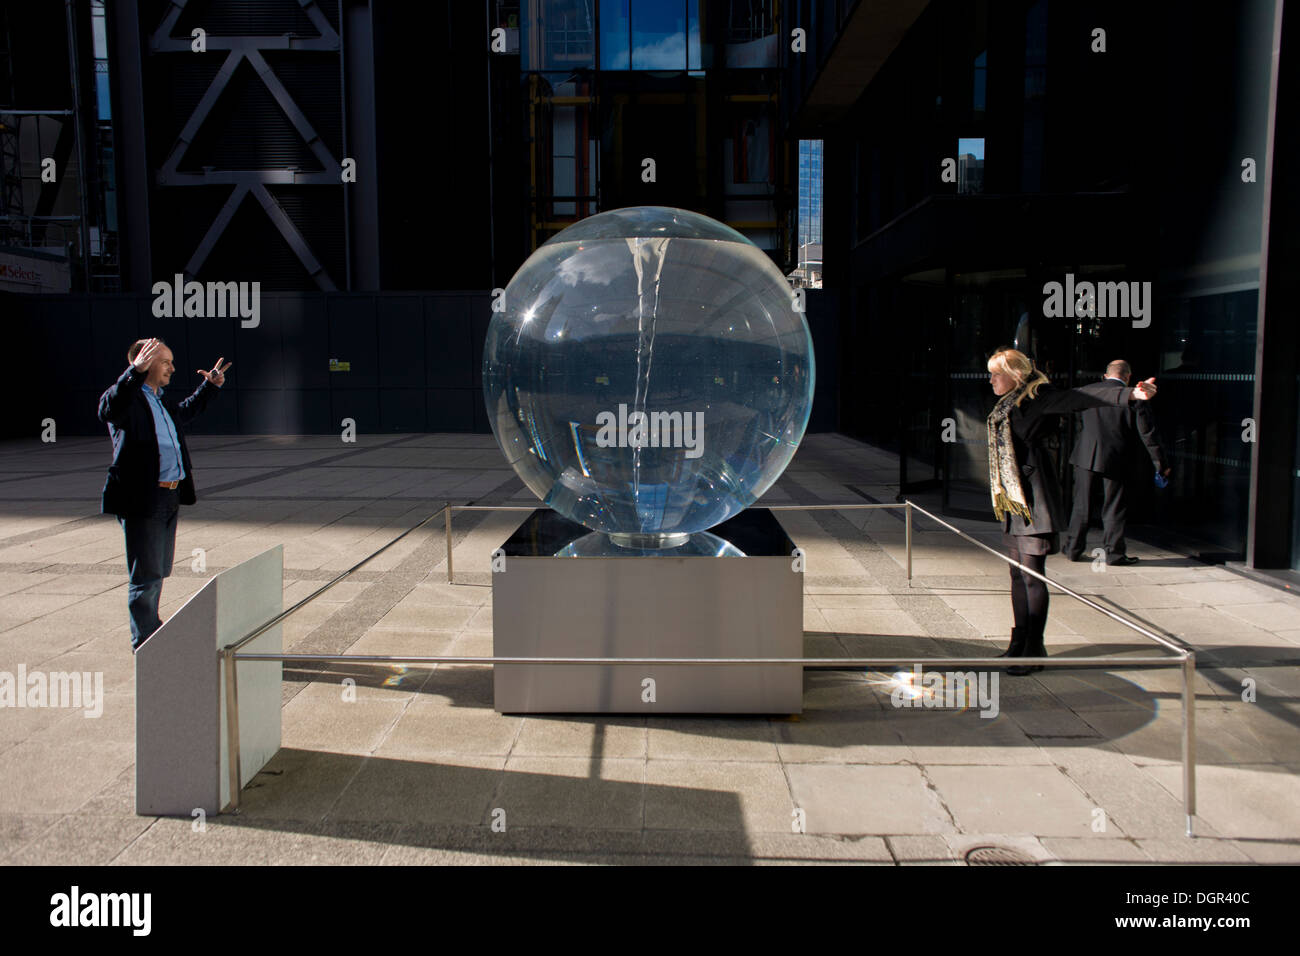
649,376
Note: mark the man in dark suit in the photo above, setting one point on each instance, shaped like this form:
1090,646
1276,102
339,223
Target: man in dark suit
1102,454
151,475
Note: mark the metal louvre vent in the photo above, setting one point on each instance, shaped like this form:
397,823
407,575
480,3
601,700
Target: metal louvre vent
245,18
264,125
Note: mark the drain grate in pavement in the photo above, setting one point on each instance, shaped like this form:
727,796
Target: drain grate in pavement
996,856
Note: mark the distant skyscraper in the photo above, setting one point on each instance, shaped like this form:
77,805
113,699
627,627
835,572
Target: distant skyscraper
810,212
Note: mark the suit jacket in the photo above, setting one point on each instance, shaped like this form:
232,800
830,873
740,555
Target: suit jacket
1032,423
134,471
1108,433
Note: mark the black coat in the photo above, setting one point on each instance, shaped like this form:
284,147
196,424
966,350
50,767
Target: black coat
134,472
1032,423
1108,433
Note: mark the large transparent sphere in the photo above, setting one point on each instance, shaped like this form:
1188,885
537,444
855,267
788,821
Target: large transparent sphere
649,376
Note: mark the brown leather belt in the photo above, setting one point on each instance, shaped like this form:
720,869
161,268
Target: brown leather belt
170,485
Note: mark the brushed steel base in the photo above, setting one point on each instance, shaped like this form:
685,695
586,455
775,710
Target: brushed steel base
649,606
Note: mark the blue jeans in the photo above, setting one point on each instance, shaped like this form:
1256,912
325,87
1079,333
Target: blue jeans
150,548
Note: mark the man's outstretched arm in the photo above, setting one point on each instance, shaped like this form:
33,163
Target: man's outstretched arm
192,407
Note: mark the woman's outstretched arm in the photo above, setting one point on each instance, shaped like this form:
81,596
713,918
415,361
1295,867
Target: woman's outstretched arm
1063,401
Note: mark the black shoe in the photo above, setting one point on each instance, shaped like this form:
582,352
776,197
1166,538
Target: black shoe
1034,647
1123,560
1078,557
1017,646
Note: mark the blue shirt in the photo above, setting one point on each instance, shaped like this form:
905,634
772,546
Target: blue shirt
169,443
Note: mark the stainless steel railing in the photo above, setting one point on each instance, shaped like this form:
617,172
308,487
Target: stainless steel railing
1183,656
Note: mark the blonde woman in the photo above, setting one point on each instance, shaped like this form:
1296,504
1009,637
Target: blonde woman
1022,481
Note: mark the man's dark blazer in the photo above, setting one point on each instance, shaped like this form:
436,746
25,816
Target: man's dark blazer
134,471
1032,423
1107,436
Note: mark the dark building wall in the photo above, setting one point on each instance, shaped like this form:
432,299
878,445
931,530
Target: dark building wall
415,361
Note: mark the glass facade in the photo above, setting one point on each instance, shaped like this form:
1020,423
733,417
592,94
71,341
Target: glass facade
649,35
941,273
558,34
656,102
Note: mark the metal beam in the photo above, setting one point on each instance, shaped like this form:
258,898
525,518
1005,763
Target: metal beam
292,236
127,86
215,230
251,181
161,40
360,198
291,110
200,114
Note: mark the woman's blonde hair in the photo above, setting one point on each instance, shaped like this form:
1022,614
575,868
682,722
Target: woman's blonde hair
1020,367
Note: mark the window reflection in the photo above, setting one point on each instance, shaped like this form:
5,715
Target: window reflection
658,35
615,38
666,35
970,165
558,34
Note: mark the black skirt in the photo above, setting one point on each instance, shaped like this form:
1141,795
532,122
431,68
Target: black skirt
1049,543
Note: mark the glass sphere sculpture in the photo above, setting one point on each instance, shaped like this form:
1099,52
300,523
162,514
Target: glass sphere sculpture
649,375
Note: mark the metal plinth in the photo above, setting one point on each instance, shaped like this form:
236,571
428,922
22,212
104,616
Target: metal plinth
614,603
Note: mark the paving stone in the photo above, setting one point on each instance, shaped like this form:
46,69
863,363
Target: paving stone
321,718
82,839
863,799
593,737
456,789
694,795
1242,802
1101,852
573,792
32,777
922,850
17,830
709,738
1033,800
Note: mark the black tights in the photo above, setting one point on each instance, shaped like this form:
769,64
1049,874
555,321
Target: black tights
1028,594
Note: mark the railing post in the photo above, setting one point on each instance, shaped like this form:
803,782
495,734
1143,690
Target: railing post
1189,739
232,724
447,514
907,522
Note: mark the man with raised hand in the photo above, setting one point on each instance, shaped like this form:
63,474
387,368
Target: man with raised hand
1101,455
151,475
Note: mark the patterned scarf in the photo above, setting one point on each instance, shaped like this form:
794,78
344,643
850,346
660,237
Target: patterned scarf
1004,473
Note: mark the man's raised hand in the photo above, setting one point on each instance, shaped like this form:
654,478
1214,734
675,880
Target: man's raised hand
218,374
146,356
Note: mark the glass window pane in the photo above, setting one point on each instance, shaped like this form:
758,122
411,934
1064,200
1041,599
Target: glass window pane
614,36
693,40
659,35
559,35
970,165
